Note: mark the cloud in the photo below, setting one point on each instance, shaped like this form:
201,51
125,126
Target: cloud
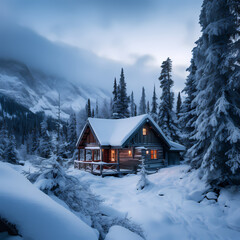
89,41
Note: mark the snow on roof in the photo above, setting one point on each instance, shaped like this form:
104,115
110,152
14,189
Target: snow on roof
35,214
115,132
176,147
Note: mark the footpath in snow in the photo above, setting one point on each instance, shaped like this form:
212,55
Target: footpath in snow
172,206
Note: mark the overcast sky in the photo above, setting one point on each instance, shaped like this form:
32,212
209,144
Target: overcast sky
89,41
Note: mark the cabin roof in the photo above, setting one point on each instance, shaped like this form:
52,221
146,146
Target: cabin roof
115,132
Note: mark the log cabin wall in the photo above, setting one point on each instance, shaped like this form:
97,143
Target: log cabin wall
150,138
88,139
127,161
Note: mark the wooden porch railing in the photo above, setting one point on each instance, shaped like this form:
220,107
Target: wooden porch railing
97,166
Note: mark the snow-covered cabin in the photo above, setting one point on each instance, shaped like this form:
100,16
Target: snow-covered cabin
108,146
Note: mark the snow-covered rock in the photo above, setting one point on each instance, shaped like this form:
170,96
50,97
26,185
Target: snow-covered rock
211,196
35,214
121,233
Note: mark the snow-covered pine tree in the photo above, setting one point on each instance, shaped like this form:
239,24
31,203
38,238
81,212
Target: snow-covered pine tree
154,105
166,115
124,99
135,110
188,115
45,147
10,152
4,142
88,108
217,147
148,107
115,97
132,105
35,142
72,134
143,181
142,104
93,114
96,109
179,105
118,105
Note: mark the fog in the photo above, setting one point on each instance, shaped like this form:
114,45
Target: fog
90,41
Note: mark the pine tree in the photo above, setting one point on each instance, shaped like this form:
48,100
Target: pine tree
142,105
132,105
35,142
115,96
188,116
217,99
179,105
118,106
4,141
11,151
143,181
154,105
124,100
135,110
148,107
72,133
88,108
93,115
96,110
45,147
166,116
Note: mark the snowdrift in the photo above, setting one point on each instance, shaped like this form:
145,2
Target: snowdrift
36,215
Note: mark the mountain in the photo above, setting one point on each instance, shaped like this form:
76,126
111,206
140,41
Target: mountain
38,91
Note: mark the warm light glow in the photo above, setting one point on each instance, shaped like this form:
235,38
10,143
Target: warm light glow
113,155
147,152
153,154
144,131
130,153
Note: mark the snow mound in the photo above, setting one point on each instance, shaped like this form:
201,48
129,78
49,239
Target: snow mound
120,233
36,215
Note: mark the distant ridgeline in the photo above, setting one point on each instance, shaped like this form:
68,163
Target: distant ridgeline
20,121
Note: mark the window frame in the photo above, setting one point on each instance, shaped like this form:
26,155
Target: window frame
144,131
153,154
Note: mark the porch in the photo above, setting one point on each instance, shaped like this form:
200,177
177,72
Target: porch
101,161
101,168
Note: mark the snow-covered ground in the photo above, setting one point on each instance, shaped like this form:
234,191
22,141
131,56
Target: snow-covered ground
173,205
35,214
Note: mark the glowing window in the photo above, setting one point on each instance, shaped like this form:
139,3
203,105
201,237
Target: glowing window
130,153
153,154
113,157
144,131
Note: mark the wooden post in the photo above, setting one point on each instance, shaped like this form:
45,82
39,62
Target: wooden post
84,158
118,161
101,154
91,168
79,154
101,169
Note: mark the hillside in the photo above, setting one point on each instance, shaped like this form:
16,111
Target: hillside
38,91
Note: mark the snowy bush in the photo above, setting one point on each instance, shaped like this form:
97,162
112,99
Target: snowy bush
53,180
143,181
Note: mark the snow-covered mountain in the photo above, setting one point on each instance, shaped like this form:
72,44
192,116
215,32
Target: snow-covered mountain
40,92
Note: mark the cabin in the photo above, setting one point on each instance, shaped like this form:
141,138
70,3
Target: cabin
115,146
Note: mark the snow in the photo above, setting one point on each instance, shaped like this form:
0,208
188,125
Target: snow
115,132
36,215
176,146
173,205
121,233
